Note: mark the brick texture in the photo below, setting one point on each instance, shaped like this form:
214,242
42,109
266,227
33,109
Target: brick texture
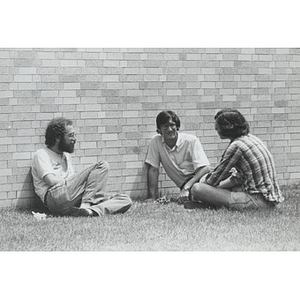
114,95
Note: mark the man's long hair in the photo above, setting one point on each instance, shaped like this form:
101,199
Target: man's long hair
232,123
56,129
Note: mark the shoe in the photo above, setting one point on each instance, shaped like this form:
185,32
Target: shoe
81,212
87,212
194,204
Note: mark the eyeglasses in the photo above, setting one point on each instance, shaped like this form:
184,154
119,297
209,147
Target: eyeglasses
166,126
72,135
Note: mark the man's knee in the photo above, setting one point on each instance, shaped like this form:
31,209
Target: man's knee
198,189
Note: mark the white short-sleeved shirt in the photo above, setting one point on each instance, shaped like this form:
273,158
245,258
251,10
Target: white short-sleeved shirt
46,161
181,162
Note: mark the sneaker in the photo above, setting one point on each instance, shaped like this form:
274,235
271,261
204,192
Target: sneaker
194,204
81,212
85,212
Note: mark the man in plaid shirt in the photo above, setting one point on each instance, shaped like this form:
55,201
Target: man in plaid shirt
245,177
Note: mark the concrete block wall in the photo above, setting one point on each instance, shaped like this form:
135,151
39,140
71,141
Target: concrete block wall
114,95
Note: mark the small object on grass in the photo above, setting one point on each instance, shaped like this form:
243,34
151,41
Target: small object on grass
162,200
170,198
39,216
181,200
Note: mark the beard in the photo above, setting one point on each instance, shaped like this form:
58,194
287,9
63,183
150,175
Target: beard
64,147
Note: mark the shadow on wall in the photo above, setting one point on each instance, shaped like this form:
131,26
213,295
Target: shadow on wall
139,188
26,197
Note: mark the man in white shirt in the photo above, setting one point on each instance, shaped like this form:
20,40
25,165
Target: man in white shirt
181,155
62,191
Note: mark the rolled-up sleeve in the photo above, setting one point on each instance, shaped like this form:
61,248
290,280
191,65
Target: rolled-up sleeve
230,158
199,157
42,164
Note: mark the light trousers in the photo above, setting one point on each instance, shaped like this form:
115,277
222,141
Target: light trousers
87,186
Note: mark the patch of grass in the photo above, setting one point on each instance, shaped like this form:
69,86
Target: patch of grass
158,227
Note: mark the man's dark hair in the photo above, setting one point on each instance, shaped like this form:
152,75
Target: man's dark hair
232,123
165,117
55,129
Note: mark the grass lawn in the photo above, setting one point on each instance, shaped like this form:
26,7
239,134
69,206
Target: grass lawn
158,227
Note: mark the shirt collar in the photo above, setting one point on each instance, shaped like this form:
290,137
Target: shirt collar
178,142
62,155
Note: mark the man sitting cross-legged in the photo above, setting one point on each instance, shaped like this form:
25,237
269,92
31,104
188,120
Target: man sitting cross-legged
246,177
63,192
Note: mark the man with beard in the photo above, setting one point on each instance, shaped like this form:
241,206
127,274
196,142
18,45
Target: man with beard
62,191
181,155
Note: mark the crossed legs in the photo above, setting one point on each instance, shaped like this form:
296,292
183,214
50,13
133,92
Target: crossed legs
210,195
236,199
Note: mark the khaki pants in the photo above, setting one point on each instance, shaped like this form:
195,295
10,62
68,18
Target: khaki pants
87,186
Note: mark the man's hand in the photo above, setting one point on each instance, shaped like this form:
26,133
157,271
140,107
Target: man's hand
60,183
184,195
52,180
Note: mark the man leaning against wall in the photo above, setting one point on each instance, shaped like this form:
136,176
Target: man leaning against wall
180,154
65,192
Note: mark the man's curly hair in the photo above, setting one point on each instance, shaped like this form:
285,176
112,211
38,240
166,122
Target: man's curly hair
55,129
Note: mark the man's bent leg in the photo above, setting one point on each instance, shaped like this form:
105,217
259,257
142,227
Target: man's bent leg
63,200
118,203
211,195
236,200
89,184
96,184
58,202
242,200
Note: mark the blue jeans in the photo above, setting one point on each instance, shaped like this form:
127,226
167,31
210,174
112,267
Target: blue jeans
87,186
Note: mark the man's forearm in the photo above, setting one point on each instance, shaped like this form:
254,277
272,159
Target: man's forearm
153,182
198,175
229,183
52,180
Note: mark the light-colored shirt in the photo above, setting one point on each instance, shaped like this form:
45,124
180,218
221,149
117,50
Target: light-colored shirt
46,161
254,164
180,162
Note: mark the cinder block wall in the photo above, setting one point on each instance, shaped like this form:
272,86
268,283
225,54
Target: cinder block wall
114,95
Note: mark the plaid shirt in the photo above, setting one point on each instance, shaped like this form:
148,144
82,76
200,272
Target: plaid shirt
254,164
